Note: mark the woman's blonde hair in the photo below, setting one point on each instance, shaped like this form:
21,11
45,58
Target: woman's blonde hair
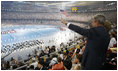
107,25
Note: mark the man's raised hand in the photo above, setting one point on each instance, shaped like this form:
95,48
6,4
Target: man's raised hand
63,21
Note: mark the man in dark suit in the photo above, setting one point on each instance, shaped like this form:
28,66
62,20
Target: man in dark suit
97,43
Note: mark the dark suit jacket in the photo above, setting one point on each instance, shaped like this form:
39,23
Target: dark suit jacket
97,43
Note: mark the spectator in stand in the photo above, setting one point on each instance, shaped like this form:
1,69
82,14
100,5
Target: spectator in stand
35,63
62,50
29,56
13,62
112,53
36,58
115,34
3,66
41,65
66,51
42,53
111,65
35,52
54,60
47,62
67,64
76,63
46,51
78,48
49,49
7,65
97,42
59,65
53,49
112,40
108,25
67,59
60,54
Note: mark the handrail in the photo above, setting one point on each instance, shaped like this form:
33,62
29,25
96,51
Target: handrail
20,67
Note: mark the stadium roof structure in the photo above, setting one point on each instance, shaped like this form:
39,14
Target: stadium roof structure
68,3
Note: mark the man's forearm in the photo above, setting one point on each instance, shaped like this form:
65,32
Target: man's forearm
78,29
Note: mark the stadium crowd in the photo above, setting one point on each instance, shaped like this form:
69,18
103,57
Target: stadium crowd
65,57
7,49
33,15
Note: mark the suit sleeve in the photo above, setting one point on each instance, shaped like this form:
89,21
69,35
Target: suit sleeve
79,30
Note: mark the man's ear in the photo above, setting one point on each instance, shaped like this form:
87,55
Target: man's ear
97,22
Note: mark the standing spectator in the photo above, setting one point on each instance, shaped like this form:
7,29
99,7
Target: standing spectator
97,42
112,40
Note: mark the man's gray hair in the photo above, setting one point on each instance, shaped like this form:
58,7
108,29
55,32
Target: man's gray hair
100,18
